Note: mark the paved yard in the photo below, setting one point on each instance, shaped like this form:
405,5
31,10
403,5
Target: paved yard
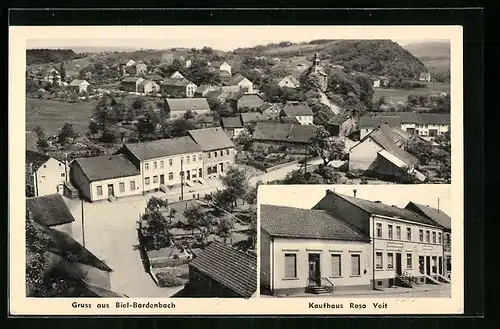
110,233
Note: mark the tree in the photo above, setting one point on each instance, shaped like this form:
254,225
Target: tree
145,128
138,103
366,88
329,174
326,147
36,258
42,143
155,231
251,195
194,215
244,139
171,214
155,203
420,148
235,182
224,200
299,177
177,128
67,131
62,71
188,115
224,227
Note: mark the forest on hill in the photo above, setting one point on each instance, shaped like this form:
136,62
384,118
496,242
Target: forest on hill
42,56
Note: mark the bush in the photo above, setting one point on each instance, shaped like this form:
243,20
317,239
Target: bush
167,279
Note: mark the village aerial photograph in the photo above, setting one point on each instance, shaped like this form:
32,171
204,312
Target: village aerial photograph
143,162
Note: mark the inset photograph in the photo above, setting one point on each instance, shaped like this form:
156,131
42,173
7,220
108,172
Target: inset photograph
346,241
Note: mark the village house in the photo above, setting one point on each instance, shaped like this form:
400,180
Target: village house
317,70
441,218
407,248
106,177
225,67
141,68
232,126
222,271
188,63
217,96
301,112
53,77
304,250
242,82
341,125
289,82
425,125
231,89
218,150
166,163
156,78
425,76
177,107
272,134
131,84
177,87
381,154
148,87
376,82
79,86
203,89
225,77
130,63
206,121
177,75
51,211
44,174
242,100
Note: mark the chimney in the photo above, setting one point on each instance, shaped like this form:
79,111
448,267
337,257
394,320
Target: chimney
354,191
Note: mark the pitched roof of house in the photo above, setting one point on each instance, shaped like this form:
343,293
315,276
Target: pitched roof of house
292,222
231,268
387,139
184,104
292,79
155,77
77,82
283,132
202,88
433,118
409,117
424,74
139,62
231,122
236,95
437,216
224,63
339,119
230,89
224,75
237,78
131,79
381,209
49,210
210,139
36,159
106,167
249,117
289,120
163,148
177,82
293,110
65,246
213,93
376,121
144,82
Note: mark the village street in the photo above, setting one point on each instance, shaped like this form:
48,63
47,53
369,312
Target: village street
110,234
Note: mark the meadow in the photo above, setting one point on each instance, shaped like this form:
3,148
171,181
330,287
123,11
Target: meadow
401,95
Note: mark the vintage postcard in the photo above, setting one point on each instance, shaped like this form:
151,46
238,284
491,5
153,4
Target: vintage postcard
314,164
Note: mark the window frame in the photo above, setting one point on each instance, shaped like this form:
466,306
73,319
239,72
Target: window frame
390,231
398,232
421,235
358,257
99,190
390,256
293,255
120,184
378,230
408,234
147,181
381,265
332,256
131,185
409,257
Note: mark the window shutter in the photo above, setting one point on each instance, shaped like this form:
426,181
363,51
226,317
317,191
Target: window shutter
336,265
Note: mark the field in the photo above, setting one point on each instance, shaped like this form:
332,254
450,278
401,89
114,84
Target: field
441,64
51,115
401,95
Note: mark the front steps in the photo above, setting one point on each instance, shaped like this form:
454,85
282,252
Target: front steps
320,290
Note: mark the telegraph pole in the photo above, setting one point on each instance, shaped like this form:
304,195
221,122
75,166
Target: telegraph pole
83,227
182,180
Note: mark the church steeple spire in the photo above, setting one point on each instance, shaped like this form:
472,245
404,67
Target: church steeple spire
316,60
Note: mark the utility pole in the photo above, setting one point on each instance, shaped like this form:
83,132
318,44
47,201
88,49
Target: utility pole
182,180
83,226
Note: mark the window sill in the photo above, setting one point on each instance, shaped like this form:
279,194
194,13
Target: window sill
335,277
355,276
289,279
379,269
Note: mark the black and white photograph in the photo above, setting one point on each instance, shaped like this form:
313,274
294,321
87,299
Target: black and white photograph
344,241
147,150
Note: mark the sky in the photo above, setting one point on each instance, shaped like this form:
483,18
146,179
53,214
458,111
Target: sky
218,37
306,196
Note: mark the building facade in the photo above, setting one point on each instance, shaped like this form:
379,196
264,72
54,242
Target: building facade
218,151
131,84
44,175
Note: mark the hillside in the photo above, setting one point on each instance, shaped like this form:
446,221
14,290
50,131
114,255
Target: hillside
43,56
429,50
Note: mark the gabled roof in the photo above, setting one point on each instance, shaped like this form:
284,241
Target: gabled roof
408,117
202,88
177,82
213,93
131,79
386,138
284,132
209,139
163,148
36,159
339,119
144,82
237,95
139,62
231,268
376,208
231,122
375,121
106,167
424,74
237,78
230,89
49,210
225,63
249,117
289,222
297,110
292,79
65,246
437,216
184,104
77,82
